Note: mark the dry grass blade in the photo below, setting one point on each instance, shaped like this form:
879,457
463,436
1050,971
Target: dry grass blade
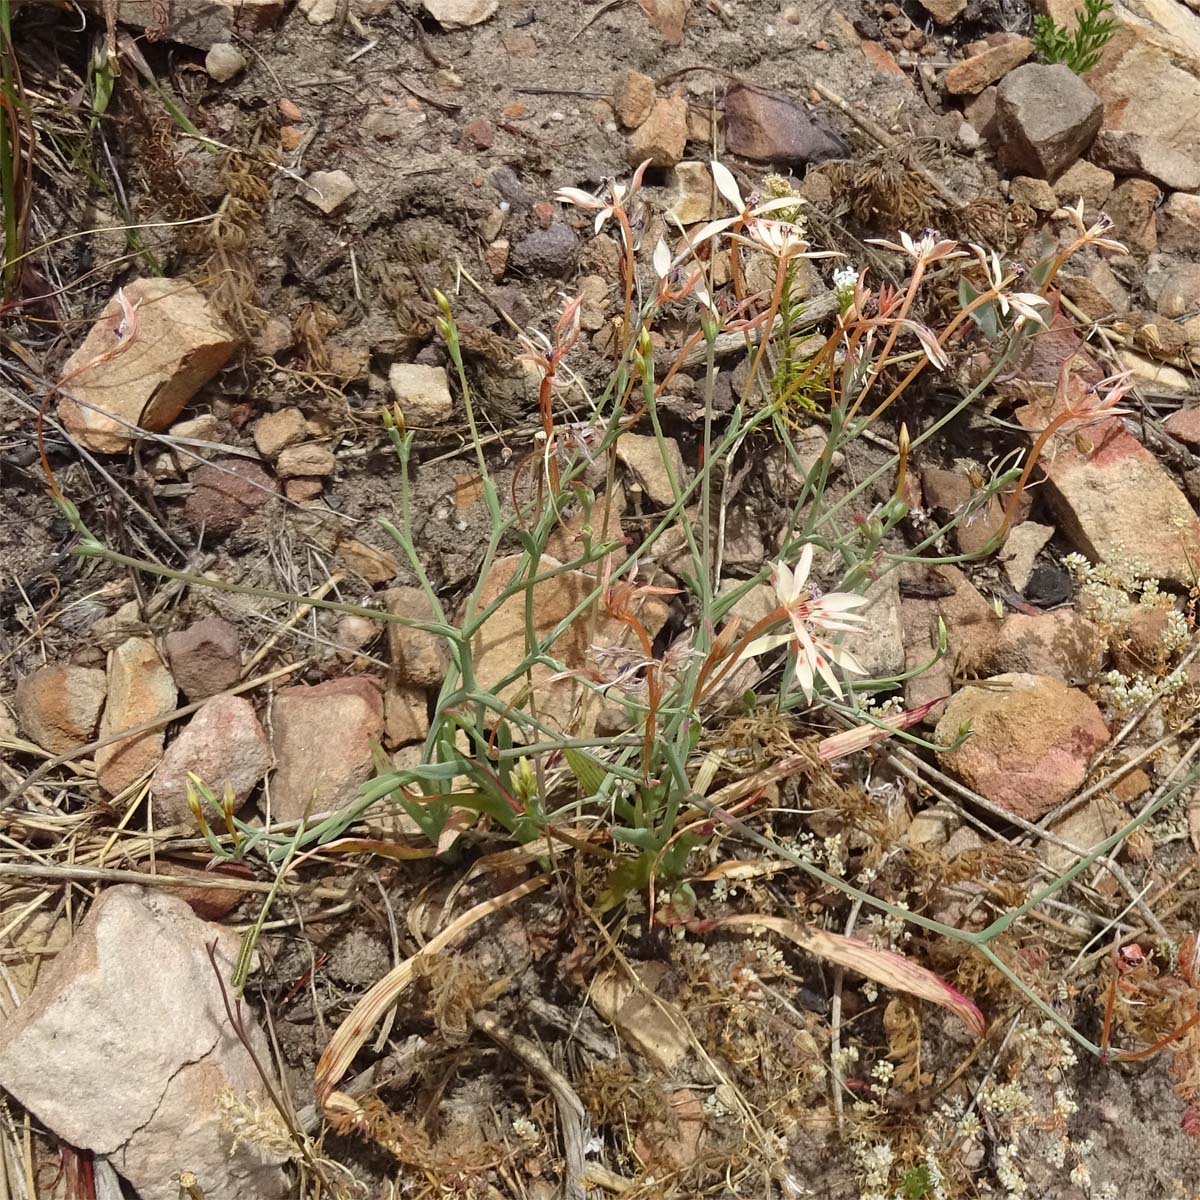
885,967
352,1033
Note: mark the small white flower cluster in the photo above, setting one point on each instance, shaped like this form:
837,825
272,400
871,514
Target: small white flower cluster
832,846
1008,1170
845,1058
875,1162
1056,1152
1065,1104
1123,693
884,708
1121,571
883,1072
969,1127
1006,1099
937,1181
887,931
844,281
526,1131
770,955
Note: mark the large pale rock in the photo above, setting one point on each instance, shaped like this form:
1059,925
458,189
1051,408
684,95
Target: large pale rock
1176,24
368,562
322,741
879,644
1085,828
662,136
1046,118
653,1027
224,62
668,17
140,689
640,454
58,706
275,432
1132,209
1117,501
1031,742
124,1048
310,460
405,714
224,743
692,195
1093,287
1061,644
1150,85
1179,291
1179,225
634,98
1020,551
328,190
201,23
179,345
1127,153
944,12
1084,181
423,393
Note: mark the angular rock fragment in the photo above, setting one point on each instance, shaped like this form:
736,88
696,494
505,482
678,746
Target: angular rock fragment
1032,739
1046,118
131,1013
157,342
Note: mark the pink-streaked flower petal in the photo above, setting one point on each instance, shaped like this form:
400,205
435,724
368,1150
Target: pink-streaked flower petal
777,204
765,644
709,230
662,259
726,184
636,181
840,601
787,588
803,567
844,659
933,352
825,669
577,196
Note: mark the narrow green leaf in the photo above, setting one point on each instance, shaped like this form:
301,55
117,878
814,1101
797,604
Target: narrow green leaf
589,772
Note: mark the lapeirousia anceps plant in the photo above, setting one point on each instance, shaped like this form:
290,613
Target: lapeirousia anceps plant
642,631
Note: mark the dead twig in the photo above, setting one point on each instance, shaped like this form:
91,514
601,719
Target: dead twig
571,1113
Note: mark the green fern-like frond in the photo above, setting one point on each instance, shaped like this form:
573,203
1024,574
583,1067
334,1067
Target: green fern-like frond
1080,50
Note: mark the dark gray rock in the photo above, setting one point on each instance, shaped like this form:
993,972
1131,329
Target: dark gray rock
771,129
553,251
510,187
1046,118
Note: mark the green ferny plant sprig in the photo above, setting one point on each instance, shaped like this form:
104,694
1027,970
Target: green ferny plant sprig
1080,50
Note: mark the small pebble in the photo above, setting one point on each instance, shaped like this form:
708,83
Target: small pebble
224,61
